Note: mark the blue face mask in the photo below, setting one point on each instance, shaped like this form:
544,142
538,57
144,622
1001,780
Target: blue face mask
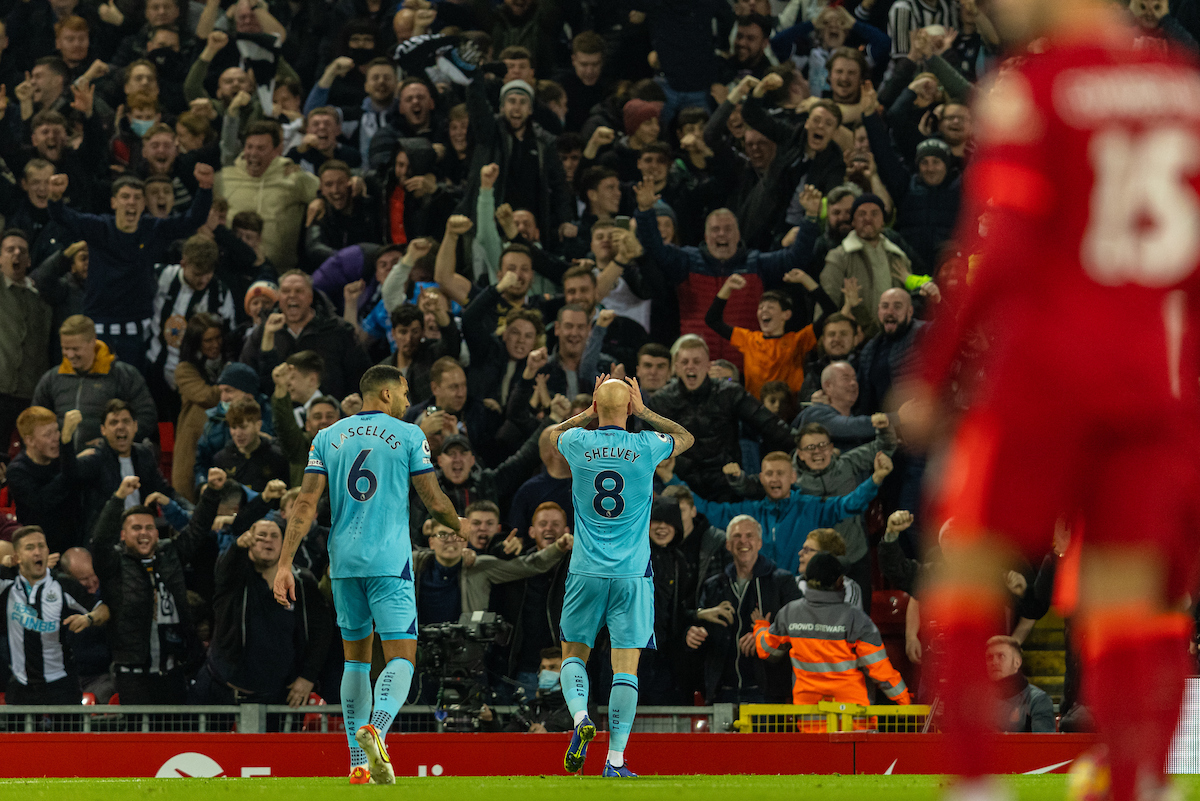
548,680
222,407
140,126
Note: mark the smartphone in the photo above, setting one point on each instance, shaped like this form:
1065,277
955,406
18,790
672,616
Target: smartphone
621,221
432,408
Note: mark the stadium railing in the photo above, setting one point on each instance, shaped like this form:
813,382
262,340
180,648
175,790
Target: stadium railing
831,716
260,718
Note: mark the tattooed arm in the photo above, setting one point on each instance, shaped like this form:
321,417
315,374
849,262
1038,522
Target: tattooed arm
683,438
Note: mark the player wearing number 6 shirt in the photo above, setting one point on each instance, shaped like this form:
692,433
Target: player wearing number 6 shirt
368,460
1085,287
609,581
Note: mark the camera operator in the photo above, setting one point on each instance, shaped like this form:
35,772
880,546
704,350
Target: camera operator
261,652
547,711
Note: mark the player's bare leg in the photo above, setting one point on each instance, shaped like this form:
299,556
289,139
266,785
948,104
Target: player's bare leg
622,708
574,680
968,601
1133,645
391,690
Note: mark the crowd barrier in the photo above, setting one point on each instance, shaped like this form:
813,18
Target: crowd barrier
832,716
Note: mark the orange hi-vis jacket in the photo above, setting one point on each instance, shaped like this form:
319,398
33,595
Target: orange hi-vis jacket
831,643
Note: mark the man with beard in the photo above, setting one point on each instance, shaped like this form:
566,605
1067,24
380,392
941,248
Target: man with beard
836,412
415,354
749,55
883,358
872,259
510,291
836,343
123,250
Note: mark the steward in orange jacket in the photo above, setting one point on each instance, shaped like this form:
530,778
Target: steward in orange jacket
831,643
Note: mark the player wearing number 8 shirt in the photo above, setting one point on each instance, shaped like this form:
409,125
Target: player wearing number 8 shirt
1086,289
609,581
368,460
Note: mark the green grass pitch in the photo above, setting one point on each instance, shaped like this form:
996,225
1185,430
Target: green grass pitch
683,788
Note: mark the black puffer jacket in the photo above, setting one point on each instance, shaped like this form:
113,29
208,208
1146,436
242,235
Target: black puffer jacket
712,414
126,585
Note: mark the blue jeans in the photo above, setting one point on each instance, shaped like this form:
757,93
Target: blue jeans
676,101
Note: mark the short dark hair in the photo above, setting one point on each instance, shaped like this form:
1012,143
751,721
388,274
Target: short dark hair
378,377
247,221
131,181
553,652
307,361
47,117
782,298
265,128
136,510
569,143
406,315
378,62
513,52
328,400
812,429
550,91
830,106
592,177
56,65
116,406
693,115
763,23
660,148
25,531
482,506
14,232
522,249
655,350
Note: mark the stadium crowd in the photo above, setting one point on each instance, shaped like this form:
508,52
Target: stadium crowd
748,205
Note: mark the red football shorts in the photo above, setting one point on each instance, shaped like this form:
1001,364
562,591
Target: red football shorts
1132,481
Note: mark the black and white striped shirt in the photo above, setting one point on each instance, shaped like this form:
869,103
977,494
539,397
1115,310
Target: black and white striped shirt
34,614
907,16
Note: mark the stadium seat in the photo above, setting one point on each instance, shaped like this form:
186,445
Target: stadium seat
89,699
166,447
888,609
115,700
312,720
1,699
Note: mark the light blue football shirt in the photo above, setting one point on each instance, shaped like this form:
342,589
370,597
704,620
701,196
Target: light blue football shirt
369,459
612,487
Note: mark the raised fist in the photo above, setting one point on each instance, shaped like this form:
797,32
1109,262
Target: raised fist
216,478
458,224
488,175
204,175
58,186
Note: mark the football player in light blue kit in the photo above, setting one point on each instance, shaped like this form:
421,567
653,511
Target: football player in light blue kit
609,580
368,460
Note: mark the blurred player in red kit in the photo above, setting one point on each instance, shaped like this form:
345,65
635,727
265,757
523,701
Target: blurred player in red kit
1088,291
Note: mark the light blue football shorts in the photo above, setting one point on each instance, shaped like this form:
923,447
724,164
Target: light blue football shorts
625,605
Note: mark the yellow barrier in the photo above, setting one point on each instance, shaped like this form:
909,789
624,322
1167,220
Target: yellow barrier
830,716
